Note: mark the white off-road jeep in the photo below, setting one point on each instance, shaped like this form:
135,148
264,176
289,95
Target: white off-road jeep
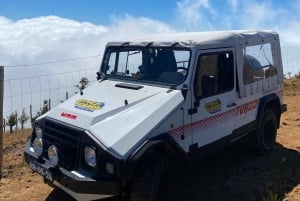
182,94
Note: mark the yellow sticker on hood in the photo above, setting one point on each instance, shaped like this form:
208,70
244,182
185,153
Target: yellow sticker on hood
88,105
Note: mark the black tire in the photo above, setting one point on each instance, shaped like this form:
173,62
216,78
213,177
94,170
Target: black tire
267,131
151,180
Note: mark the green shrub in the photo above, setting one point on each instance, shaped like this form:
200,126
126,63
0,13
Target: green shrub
297,75
271,196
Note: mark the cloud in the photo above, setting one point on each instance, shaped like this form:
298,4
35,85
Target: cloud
258,15
46,38
269,15
283,17
205,15
127,26
52,38
233,4
193,14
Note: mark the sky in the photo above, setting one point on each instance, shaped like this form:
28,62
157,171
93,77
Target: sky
94,11
46,31
182,14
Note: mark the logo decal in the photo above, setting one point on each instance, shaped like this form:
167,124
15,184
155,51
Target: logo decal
69,116
213,106
243,109
88,105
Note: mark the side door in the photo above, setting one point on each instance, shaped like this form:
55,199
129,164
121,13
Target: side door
214,95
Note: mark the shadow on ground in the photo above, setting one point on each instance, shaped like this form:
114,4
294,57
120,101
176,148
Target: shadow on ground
59,195
233,174
236,174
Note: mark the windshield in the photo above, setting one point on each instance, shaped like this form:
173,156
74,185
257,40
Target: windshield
147,64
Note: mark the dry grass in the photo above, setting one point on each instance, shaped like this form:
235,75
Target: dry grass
291,86
19,136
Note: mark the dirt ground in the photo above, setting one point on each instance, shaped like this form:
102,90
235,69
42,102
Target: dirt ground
233,174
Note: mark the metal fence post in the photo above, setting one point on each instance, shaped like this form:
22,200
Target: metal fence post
1,117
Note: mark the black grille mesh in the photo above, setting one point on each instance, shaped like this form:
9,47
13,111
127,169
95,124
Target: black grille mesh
66,139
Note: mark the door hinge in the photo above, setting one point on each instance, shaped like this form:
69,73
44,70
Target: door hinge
192,111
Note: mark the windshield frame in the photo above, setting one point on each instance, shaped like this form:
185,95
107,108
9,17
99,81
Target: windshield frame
138,49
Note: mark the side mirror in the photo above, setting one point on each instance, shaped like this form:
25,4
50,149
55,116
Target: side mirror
98,76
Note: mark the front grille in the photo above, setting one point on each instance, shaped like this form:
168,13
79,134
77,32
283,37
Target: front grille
66,139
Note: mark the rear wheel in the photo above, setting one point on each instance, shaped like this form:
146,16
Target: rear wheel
266,133
151,180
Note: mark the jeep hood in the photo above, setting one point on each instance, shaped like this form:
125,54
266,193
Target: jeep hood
120,115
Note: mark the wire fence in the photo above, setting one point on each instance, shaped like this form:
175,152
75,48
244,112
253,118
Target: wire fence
32,90
27,86
290,59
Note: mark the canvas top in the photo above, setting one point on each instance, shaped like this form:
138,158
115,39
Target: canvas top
193,39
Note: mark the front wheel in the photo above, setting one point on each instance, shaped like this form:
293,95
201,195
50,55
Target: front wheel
151,180
267,131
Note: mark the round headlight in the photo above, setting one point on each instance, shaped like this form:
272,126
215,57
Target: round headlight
38,131
53,155
38,146
90,156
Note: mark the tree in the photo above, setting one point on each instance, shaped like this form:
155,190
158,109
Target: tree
12,121
45,107
83,83
23,118
42,111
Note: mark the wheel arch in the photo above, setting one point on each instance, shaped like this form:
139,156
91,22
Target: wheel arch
271,101
162,143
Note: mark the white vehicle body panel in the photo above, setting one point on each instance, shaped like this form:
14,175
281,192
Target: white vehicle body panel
118,126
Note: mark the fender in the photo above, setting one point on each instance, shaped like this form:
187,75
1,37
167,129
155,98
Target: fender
163,143
272,101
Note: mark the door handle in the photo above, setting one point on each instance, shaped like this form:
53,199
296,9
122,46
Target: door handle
231,105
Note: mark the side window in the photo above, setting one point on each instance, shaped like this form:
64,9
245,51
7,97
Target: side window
258,63
112,62
214,74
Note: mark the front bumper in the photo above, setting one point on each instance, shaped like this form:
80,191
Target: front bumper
283,108
74,182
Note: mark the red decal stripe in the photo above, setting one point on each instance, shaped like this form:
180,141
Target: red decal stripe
207,123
